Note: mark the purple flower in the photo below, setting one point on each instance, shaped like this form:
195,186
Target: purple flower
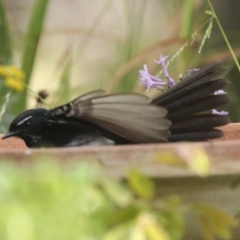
152,81
219,92
222,113
162,62
149,80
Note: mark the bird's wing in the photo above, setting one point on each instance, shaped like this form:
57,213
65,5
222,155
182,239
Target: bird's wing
128,115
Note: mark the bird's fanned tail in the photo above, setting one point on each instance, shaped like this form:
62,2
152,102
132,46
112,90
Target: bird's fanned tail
189,104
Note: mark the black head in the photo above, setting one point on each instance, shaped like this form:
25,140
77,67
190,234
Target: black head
28,126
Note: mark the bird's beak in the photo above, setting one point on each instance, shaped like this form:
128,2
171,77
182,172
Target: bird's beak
9,134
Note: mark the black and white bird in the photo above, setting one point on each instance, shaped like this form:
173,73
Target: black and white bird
182,113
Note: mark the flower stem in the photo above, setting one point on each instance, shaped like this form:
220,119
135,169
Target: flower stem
224,35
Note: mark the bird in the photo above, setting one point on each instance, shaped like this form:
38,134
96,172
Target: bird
181,113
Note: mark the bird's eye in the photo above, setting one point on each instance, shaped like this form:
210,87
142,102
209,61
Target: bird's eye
28,124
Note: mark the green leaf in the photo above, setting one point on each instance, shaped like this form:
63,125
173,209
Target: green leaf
214,221
140,184
20,224
126,214
147,227
174,223
171,216
194,158
120,232
117,192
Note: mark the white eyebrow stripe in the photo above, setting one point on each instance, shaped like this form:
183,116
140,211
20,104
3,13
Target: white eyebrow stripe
24,120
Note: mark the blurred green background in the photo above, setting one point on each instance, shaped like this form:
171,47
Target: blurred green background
70,47
45,200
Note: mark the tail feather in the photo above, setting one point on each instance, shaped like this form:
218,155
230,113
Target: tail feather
199,122
198,106
197,92
188,101
206,74
196,136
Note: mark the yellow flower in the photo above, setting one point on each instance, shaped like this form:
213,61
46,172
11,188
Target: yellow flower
3,71
14,77
14,84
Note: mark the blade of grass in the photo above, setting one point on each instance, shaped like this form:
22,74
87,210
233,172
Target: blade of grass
187,24
224,35
135,14
3,109
93,27
64,88
5,59
5,46
31,44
